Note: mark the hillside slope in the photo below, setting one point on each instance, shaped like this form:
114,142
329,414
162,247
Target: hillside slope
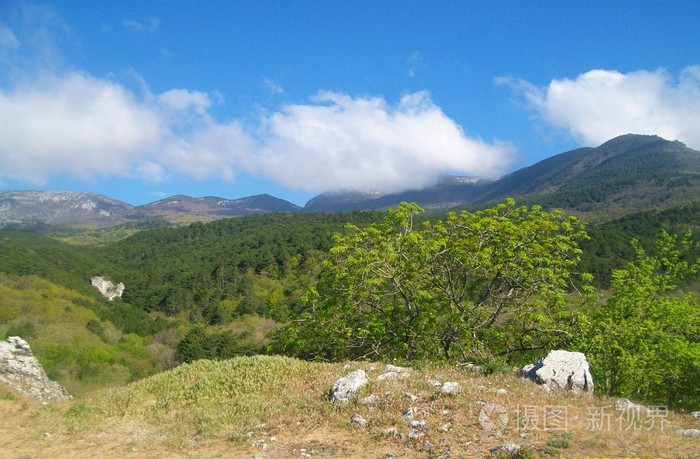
276,407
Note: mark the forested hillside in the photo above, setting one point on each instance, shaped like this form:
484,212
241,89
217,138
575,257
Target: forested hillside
234,286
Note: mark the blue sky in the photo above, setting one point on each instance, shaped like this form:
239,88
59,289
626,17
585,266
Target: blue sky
140,100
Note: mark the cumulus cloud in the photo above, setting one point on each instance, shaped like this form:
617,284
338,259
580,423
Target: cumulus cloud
601,104
84,127
340,142
76,125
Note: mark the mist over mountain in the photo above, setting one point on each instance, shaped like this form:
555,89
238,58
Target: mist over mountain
627,174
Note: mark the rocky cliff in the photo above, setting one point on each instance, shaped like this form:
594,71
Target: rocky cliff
22,371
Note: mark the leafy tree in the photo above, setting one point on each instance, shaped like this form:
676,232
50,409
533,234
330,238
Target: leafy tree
644,341
475,284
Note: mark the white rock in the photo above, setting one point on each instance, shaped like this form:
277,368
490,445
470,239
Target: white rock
107,287
451,388
508,448
409,413
624,404
358,420
388,376
688,432
397,369
346,387
561,370
23,372
370,400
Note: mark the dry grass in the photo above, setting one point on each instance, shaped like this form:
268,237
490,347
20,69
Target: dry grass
274,407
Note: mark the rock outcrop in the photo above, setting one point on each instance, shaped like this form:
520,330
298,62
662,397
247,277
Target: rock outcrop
23,372
107,287
561,370
346,387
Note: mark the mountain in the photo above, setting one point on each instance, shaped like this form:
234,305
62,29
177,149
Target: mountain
35,210
28,209
450,191
181,207
628,174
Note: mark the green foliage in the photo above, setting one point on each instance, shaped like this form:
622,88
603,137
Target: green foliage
609,249
212,273
247,335
644,341
75,347
475,284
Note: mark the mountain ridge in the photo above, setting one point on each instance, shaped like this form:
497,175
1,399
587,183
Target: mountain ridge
626,174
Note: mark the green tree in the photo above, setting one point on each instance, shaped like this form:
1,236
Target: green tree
475,284
644,341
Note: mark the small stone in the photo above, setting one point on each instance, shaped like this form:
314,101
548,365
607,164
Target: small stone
446,427
388,376
624,404
418,424
410,397
471,368
695,414
415,434
392,432
260,444
47,435
428,445
508,448
396,369
688,432
370,400
451,388
434,383
358,420
409,413
502,392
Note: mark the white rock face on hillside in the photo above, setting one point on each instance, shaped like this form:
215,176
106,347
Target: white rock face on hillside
23,372
107,287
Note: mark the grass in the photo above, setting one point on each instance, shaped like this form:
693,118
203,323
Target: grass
277,407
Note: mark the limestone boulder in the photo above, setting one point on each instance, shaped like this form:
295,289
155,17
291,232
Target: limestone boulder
562,370
346,388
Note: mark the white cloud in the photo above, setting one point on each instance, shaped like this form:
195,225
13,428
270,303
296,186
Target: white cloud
273,86
149,24
340,142
81,126
601,104
77,125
